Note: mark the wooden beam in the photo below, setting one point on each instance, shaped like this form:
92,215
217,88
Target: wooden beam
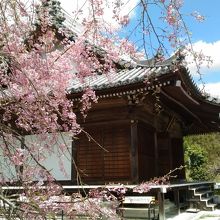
134,152
182,106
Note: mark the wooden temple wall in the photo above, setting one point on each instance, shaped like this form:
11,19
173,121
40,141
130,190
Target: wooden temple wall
108,162
133,148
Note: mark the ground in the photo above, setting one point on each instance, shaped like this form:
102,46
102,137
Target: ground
202,215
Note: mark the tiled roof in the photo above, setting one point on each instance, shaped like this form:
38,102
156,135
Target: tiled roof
121,78
133,72
137,73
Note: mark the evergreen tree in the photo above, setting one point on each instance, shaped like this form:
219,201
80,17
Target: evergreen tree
49,17
53,8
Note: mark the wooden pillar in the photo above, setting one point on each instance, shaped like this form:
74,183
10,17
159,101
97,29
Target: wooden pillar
73,164
177,199
182,173
162,215
156,166
170,154
134,152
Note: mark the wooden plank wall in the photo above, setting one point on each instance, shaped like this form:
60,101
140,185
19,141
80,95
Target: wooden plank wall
99,166
146,155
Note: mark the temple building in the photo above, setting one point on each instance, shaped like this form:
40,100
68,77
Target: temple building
135,131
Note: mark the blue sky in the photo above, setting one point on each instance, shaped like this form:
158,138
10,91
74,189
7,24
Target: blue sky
208,34
205,35
208,30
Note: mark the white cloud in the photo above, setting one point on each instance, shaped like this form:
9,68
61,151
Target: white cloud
72,6
208,49
212,88
213,50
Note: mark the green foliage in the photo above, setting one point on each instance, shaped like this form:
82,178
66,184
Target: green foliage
55,13
196,159
202,156
199,173
197,156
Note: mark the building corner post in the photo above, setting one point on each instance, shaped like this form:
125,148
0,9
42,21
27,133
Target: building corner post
134,152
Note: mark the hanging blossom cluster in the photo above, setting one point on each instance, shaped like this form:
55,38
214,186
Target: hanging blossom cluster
87,97
173,14
177,34
172,31
198,16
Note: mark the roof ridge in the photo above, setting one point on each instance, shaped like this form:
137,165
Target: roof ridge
158,60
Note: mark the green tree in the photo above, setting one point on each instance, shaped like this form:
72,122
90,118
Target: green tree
202,156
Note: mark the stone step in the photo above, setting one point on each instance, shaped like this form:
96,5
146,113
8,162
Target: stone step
210,207
203,192
129,212
193,210
202,198
207,199
198,188
203,195
201,202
